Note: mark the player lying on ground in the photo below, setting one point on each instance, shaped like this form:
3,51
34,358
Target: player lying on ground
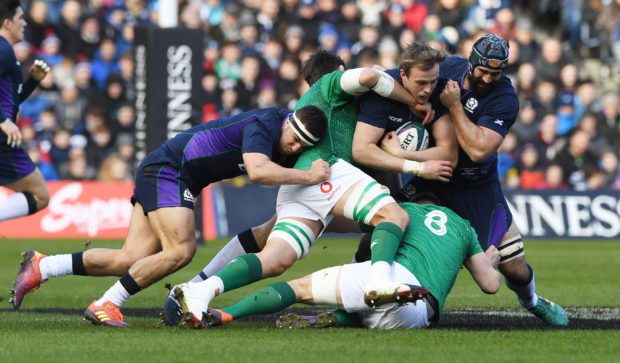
161,236
435,245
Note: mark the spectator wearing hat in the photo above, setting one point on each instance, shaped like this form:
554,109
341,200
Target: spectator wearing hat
228,28
524,36
328,37
50,50
71,107
293,40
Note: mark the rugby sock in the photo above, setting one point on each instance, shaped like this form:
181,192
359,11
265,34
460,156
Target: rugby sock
56,265
384,243
239,245
78,264
13,206
241,271
120,292
270,299
525,293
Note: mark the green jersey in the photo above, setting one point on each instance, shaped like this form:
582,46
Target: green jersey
341,110
434,247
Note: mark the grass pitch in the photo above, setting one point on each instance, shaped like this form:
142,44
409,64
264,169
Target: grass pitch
582,276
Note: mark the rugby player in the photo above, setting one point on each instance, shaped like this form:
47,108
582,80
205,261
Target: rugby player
161,237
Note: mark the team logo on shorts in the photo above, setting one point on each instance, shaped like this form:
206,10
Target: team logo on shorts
326,187
187,196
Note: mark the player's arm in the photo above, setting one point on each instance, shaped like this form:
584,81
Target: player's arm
477,141
446,144
482,267
359,80
367,153
37,72
261,169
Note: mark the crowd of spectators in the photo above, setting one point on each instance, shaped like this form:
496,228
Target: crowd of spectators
564,63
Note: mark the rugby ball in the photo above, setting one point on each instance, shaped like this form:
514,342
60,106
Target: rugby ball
412,136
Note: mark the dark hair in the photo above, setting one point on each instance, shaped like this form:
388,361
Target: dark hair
421,55
424,198
319,64
8,9
314,120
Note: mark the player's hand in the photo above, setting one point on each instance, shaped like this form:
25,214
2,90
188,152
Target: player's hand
39,70
451,94
391,145
493,256
14,136
437,170
319,171
424,111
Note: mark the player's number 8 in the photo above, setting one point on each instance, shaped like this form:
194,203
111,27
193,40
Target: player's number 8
436,222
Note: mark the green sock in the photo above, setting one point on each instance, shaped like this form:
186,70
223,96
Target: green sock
271,299
347,320
384,242
241,271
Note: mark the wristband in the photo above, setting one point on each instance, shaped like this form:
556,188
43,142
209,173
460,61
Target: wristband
413,167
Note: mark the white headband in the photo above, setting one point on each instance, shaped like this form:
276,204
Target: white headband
306,138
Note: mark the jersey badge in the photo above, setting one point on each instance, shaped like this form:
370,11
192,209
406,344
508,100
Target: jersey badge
471,104
499,122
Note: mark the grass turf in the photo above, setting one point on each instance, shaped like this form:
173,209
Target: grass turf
49,325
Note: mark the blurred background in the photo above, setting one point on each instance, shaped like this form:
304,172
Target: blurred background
80,124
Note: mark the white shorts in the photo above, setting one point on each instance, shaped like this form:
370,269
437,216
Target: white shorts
353,279
318,199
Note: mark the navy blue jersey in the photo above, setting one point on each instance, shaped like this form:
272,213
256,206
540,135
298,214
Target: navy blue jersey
497,111
389,114
12,92
213,151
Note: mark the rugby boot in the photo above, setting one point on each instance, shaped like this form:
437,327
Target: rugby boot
217,317
381,292
28,277
192,304
171,312
294,321
549,312
106,314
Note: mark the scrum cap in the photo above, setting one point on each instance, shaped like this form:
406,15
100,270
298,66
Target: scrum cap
490,51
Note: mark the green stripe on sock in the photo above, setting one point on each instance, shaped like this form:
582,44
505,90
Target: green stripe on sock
241,271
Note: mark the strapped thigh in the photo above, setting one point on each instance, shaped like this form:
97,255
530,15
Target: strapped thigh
366,200
299,236
510,248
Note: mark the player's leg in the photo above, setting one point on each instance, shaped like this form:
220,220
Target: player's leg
249,241
290,240
519,277
174,229
19,174
38,268
369,203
